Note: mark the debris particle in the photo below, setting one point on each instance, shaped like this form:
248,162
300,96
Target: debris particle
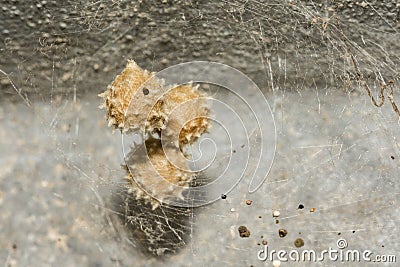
248,202
301,206
276,263
282,232
259,217
233,210
223,196
96,67
14,246
312,209
276,213
277,221
298,243
264,242
243,231
145,91
31,24
392,157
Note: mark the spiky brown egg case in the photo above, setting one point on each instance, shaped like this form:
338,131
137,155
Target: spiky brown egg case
138,101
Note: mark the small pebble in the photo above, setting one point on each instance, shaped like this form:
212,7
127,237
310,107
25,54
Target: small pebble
31,24
298,243
282,232
276,263
63,25
276,213
264,242
233,210
248,202
312,209
243,231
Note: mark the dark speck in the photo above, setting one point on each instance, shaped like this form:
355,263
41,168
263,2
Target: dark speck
223,196
282,232
145,91
392,157
301,206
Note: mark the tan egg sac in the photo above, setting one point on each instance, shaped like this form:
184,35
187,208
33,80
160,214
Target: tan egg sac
188,110
136,100
130,96
152,177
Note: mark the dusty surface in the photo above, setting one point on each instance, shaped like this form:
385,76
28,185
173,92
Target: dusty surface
68,47
57,185
337,155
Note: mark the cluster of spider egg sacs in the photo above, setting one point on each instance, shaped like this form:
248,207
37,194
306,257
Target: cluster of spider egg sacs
138,101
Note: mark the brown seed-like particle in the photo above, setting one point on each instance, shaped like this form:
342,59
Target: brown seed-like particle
312,209
243,231
248,202
282,232
264,242
299,243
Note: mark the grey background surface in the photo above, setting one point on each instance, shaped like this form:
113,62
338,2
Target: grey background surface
60,165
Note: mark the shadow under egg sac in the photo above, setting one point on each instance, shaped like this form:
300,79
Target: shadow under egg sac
160,231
